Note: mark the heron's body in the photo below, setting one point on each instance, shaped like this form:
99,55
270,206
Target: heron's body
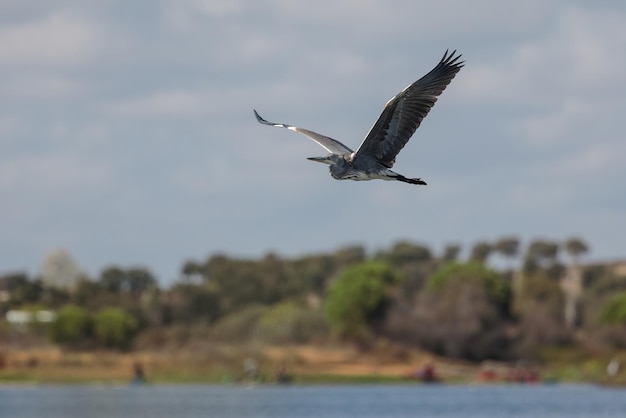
399,120
342,167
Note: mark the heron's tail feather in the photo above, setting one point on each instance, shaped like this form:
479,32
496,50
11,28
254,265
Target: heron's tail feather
410,181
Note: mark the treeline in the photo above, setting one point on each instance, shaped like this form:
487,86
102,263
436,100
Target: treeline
542,297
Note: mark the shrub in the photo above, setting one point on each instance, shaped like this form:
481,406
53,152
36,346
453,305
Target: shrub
114,328
358,298
614,311
291,322
72,325
239,326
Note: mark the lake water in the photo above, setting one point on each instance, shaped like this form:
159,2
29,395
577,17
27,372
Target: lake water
441,401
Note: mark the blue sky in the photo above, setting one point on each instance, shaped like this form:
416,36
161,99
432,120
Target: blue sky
127,135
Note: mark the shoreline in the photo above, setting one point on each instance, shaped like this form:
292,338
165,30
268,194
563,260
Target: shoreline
225,364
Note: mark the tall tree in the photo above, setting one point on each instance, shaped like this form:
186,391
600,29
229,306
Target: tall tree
451,252
481,251
192,271
508,247
576,247
112,279
572,283
21,289
139,280
404,252
350,255
540,255
135,280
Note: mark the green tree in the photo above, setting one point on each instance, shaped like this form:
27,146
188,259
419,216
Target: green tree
191,303
461,313
357,298
451,252
309,274
139,280
271,274
112,279
237,283
497,290
21,289
541,255
350,255
541,304
191,269
540,290
114,328
614,312
576,247
134,280
508,247
86,292
480,252
54,297
73,325
403,252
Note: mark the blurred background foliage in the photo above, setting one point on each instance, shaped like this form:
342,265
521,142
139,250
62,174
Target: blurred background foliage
503,300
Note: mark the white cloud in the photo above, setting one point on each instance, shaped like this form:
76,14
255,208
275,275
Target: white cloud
591,163
343,64
575,181
164,103
257,166
255,47
9,126
540,196
549,128
431,20
59,40
53,173
219,8
578,58
26,86
184,15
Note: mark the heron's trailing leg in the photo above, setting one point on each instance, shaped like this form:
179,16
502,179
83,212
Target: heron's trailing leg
411,181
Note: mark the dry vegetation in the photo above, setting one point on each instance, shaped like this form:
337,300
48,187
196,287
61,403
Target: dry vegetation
305,363
225,364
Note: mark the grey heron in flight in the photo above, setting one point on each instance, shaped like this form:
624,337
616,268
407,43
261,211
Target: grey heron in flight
400,118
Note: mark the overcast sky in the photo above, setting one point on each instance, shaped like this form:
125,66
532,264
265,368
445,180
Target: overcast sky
127,135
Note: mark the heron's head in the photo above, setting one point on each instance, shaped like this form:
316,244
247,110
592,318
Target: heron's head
329,159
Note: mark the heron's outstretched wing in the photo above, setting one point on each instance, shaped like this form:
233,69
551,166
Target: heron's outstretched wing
403,113
331,145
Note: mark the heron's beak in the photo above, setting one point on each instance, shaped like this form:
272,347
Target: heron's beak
319,159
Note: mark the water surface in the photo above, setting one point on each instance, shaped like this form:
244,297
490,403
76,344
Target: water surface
363,401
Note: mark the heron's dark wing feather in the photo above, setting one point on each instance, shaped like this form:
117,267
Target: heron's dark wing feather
331,145
403,114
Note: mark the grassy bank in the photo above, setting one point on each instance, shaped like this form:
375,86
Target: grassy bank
301,364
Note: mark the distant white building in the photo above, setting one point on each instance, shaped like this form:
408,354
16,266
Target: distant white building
21,319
